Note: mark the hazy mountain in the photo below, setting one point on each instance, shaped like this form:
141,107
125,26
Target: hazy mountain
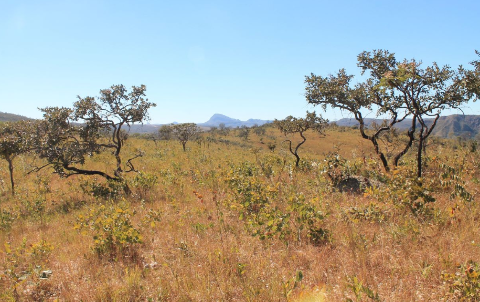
467,126
9,117
214,121
218,119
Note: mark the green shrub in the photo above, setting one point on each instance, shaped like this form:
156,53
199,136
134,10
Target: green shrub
464,285
112,229
105,190
7,217
404,189
25,263
144,182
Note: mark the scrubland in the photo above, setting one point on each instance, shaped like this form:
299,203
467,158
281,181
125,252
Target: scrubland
230,220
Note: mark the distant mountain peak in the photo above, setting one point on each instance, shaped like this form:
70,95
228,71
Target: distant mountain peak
218,119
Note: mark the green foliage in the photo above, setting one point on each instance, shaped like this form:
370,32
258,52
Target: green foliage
151,218
110,189
292,125
15,139
112,229
7,217
371,212
253,193
266,216
291,284
165,132
398,89
308,219
144,182
404,189
33,207
335,167
25,262
66,147
451,178
464,285
185,132
359,289
270,164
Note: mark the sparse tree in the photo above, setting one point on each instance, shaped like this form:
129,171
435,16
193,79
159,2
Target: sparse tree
165,132
395,89
259,130
244,132
223,129
99,128
15,139
185,132
292,125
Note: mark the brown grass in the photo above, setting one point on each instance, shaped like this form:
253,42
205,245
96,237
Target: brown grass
201,250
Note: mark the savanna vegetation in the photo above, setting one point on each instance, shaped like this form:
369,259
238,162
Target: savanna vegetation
232,215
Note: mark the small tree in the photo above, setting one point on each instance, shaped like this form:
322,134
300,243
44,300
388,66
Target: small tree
99,128
165,132
15,139
292,125
259,130
244,132
223,129
185,132
397,90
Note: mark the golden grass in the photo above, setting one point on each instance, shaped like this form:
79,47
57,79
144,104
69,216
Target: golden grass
201,251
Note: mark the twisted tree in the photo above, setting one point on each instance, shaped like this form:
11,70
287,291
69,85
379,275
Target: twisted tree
15,139
293,125
397,90
185,132
68,136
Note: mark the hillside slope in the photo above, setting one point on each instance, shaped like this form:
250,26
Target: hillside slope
9,117
467,126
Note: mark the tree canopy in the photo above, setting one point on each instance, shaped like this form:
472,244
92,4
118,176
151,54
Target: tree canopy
396,90
94,125
15,139
293,125
185,132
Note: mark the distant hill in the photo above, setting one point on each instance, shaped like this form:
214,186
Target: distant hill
467,126
218,119
214,121
8,117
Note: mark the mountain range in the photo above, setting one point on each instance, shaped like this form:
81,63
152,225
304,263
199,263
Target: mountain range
218,119
467,126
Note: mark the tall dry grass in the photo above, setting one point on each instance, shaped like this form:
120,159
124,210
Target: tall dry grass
200,250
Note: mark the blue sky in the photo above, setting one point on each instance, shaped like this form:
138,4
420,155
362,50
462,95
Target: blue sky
245,59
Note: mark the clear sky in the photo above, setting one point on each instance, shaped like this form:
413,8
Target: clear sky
245,59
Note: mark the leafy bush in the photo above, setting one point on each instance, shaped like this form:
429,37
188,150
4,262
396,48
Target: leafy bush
105,190
371,212
144,182
25,262
34,208
464,285
7,217
112,229
359,289
266,216
404,189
